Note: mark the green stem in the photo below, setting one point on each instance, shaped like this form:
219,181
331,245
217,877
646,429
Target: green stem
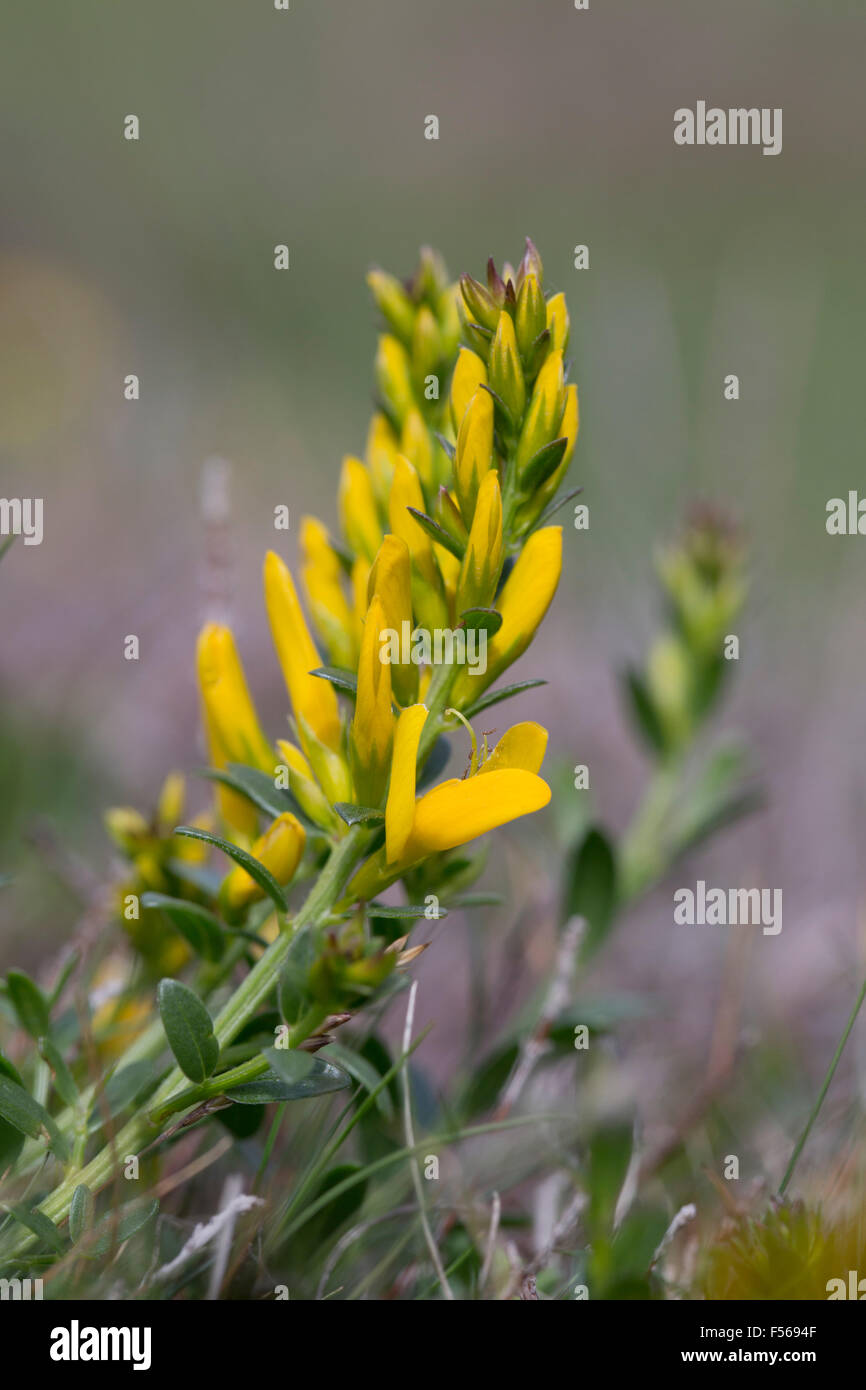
800,1144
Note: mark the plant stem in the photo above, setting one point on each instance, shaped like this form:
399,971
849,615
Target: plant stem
798,1147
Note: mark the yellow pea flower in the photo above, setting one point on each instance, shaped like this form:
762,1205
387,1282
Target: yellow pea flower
416,444
400,808
530,318
312,699
506,373
482,562
394,376
280,849
428,602
521,746
473,458
558,322
373,725
305,788
360,579
381,454
356,502
231,726
391,579
469,373
322,578
523,602
545,411
568,427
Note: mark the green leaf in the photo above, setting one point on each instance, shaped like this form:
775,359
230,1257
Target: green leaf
63,1081
80,1212
293,989
306,1074
257,872
189,1030
27,1115
41,1226
358,815
127,1084
505,692
555,505
542,465
640,705
29,1003
258,788
363,1072
437,533
591,887
117,1227
200,927
482,620
341,679
413,910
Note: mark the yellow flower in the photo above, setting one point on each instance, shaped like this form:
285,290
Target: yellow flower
279,849
523,602
305,788
530,318
545,411
231,726
406,492
373,725
400,809
474,455
381,455
313,699
416,444
321,574
482,562
394,375
506,373
567,429
359,516
469,373
558,322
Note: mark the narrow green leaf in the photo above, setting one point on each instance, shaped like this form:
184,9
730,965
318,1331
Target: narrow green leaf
361,1071
63,1080
258,788
27,1115
482,620
413,910
80,1212
257,872
200,927
643,712
117,1227
341,679
41,1226
555,505
358,815
306,1074
437,533
127,1084
591,887
505,692
293,989
189,1030
542,465
29,1004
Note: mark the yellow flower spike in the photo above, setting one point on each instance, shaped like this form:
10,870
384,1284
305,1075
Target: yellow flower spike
469,373
456,812
545,411
473,458
531,316
523,602
227,699
558,323
428,601
356,503
280,849
322,577
506,373
482,562
394,376
305,788
381,453
391,579
373,725
400,808
312,699
521,746
416,444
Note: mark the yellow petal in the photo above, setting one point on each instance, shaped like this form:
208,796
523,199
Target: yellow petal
356,502
482,562
231,718
522,746
322,577
474,455
373,725
391,579
311,697
469,373
381,455
400,809
457,811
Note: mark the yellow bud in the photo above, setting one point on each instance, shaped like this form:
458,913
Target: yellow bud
393,303
474,454
391,579
381,454
305,789
373,725
312,698
479,304
127,827
426,344
359,517
393,374
558,322
482,563
169,807
506,373
545,411
530,318
469,373
327,763
568,427
416,444
227,699
360,576
428,602
279,849
322,578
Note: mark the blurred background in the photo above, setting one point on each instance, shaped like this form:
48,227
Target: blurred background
307,128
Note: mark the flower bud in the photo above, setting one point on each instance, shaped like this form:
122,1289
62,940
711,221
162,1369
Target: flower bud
321,574
482,563
558,322
506,373
373,724
391,579
469,373
381,452
531,316
305,789
479,304
393,302
544,414
474,455
279,849
393,374
359,517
